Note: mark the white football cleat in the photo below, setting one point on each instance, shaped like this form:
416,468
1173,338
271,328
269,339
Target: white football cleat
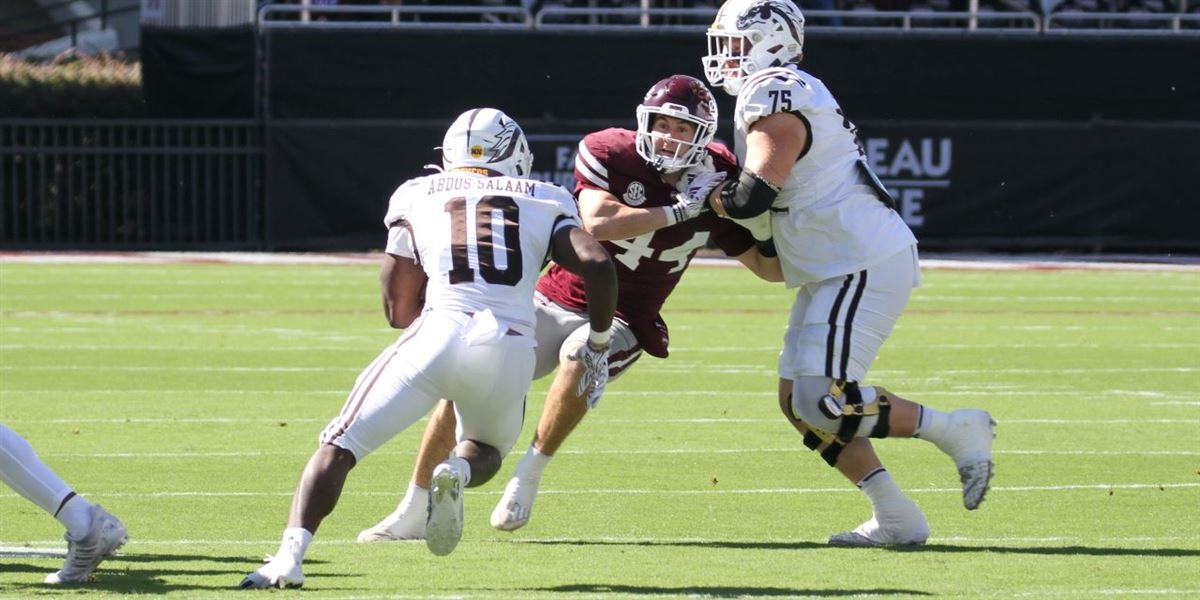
968,441
515,506
444,527
282,574
906,528
106,534
408,524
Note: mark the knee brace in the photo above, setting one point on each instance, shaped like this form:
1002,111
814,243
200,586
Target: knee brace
839,415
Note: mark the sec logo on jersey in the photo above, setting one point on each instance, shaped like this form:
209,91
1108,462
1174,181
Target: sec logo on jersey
635,194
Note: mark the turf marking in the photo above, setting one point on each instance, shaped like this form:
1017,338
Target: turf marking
598,451
647,492
949,262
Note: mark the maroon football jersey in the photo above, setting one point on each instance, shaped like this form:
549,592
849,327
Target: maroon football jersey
648,266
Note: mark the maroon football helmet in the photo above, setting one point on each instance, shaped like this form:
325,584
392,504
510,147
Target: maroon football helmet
681,97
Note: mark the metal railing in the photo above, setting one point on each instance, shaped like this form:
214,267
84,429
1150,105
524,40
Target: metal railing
1122,23
399,17
71,26
696,20
125,184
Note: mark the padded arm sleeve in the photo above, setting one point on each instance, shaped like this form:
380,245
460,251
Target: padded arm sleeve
748,196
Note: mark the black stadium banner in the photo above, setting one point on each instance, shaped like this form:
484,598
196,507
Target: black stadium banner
988,142
405,74
198,73
1020,186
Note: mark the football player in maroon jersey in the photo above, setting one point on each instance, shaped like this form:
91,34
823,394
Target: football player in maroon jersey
629,186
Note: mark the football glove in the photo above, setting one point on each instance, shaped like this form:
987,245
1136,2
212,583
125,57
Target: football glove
702,185
694,200
595,373
691,173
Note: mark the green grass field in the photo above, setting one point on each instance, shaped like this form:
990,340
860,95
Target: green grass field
186,399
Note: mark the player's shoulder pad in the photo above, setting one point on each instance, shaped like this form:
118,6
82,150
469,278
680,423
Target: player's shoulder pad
561,196
774,90
605,144
723,157
398,204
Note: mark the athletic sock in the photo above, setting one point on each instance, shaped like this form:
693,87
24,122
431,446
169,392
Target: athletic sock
294,544
882,491
932,424
76,516
415,496
532,463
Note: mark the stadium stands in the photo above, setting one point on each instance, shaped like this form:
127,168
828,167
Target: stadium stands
1036,16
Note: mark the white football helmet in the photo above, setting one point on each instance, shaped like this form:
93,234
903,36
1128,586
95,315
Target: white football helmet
489,139
751,35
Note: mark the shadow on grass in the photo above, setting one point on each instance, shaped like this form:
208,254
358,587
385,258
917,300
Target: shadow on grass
141,574
947,548
1053,550
708,591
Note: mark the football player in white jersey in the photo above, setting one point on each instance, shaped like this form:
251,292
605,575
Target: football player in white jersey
464,250
629,185
92,533
848,254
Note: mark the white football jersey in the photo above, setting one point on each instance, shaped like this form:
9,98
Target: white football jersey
481,240
828,219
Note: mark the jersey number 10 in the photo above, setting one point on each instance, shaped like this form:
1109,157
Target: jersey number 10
485,249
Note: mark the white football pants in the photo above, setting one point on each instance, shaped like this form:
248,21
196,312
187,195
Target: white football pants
25,473
486,378
838,325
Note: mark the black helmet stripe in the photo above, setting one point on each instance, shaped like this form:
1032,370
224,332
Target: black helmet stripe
471,124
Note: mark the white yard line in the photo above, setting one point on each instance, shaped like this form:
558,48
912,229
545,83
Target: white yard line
291,349
999,392
946,262
678,366
660,492
595,419
594,452
51,546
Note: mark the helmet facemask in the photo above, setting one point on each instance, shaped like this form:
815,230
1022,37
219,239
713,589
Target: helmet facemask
687,153
726,64
749,36
677,97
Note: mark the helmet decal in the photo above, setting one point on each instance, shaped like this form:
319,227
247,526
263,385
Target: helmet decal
487,138
761,12
749,36
505,141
